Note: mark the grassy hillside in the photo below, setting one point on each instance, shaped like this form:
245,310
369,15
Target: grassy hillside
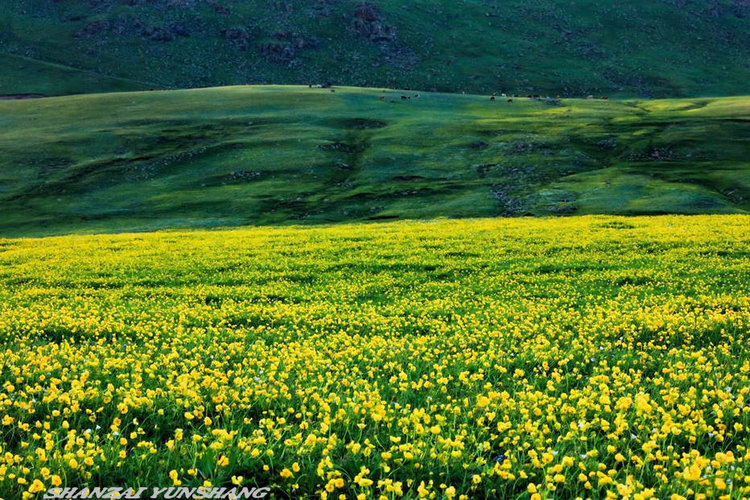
268,155
663,48
271,155
22,75
486,358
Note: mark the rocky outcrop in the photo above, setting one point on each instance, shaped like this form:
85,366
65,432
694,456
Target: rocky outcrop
119,26
277,52
128,26
284,46
239,36
218,8
158,34
369,23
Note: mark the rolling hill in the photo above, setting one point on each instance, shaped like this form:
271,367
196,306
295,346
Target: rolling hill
276,155
641,48
366,248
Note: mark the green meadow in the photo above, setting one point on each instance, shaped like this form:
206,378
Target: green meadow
285,154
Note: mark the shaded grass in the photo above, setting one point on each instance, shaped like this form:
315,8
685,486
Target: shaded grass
23,75
648,49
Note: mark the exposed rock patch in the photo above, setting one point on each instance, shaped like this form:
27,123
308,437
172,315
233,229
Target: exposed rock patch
218,8
369,23
284,46
158,34
130,26
239,36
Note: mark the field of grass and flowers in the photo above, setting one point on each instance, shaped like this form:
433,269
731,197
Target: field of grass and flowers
582,357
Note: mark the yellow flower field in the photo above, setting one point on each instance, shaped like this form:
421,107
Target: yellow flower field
591,357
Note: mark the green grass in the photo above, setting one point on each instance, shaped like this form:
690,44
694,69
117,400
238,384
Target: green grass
21,75
272,155
636,48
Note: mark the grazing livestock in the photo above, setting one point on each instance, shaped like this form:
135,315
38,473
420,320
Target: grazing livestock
510,100
492,98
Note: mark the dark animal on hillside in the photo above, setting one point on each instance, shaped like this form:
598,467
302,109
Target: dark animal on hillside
492,98
510,100
605,98
333,90
403,97
382,98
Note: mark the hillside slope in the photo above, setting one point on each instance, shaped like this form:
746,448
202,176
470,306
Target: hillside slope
644,48
22,75
269,155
